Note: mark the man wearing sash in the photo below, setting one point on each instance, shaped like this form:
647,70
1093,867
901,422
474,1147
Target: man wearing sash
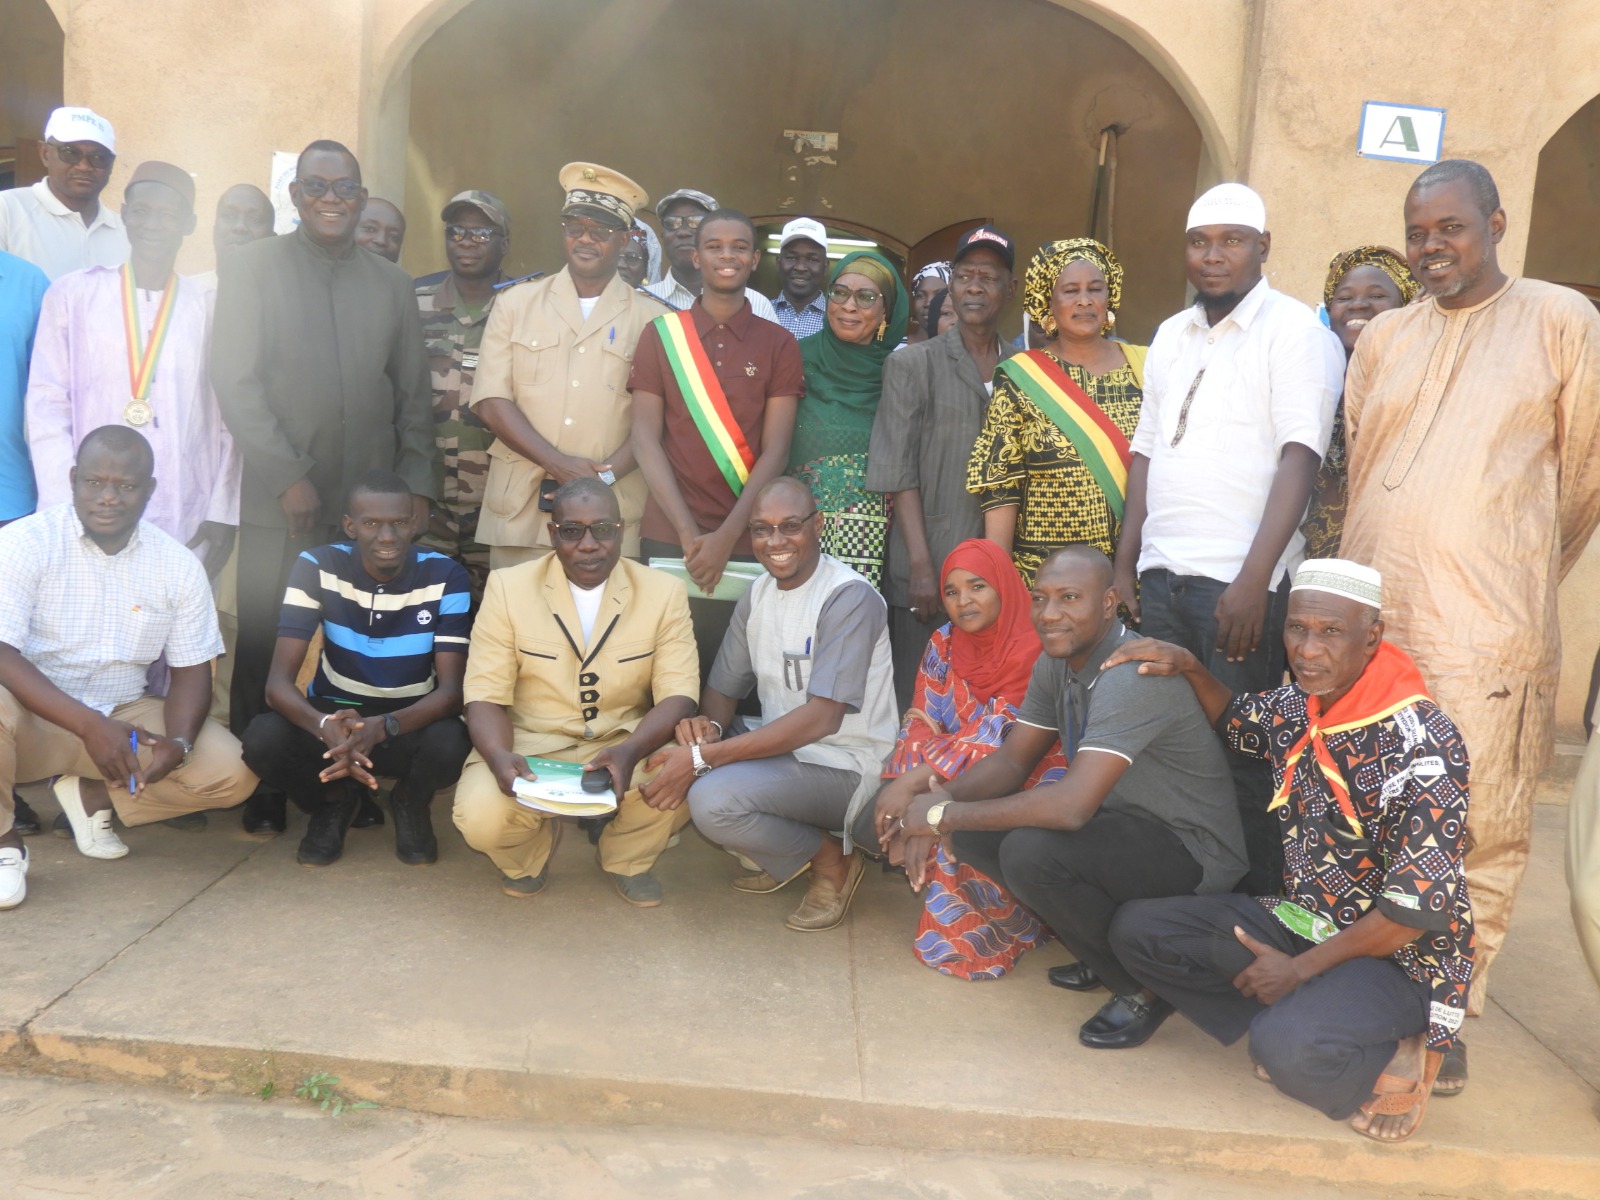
583,657
552,379
1352,984
128,346
715,390
1238,407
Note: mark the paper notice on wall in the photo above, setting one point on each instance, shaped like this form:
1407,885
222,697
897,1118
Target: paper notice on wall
1401,132
284,216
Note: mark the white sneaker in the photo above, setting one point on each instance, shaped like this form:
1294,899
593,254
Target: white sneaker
93,834
13,876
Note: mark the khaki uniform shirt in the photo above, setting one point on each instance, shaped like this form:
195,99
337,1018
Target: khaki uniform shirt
569,377
561,690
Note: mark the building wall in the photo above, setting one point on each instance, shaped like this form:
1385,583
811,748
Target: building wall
30,70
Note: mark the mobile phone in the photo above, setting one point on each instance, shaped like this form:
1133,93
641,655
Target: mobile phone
547,494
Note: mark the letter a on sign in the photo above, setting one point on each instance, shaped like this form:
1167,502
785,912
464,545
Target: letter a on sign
1402,132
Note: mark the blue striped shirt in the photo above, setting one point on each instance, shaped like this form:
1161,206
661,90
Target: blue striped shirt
378,637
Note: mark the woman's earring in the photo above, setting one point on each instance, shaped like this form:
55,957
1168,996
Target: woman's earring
1048,324
1111,318
883,328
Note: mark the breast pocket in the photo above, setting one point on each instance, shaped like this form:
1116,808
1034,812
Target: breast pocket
615,363
627,668
143,633
534,361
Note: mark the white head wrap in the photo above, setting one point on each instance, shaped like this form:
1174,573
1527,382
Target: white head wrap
1341,577
1229,204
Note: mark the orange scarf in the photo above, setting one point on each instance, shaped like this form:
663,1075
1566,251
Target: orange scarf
1390,682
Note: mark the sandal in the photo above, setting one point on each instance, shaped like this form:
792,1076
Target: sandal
1452,1079
1402,1096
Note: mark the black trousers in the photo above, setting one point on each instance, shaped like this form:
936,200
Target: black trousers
289,759
1075,881
1324,1044
265,556
908,641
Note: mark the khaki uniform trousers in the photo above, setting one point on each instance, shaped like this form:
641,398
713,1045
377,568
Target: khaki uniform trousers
31,748
518,840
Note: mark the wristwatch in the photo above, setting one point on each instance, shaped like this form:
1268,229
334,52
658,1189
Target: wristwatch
936,814
188,750
391,726
701,766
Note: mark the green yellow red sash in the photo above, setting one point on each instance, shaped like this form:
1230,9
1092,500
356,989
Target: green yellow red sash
141,357
706,401
1097,440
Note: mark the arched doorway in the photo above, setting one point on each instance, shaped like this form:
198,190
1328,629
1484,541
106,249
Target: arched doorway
938,112
1563,246
30,86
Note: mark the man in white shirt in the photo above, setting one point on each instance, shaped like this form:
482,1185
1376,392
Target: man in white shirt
800,305
59,224
681,213
1238,407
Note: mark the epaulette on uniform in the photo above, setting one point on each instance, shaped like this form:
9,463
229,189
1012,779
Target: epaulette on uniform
511,283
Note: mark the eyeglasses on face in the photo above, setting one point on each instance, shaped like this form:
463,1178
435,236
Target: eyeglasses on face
793,527
100,160
591,230
864,297
682,221
604,531
470,233
345,189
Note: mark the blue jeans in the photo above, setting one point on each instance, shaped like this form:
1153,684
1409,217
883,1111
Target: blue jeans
1181,609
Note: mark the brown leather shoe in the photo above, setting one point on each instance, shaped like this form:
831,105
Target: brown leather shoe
761,883
824,906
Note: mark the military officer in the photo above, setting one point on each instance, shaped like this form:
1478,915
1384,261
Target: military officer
455,307
552,379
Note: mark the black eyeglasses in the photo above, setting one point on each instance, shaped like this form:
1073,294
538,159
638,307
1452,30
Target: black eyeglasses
864,297
579,230
793,527
100,160
673,224
470,233
604,531
345,189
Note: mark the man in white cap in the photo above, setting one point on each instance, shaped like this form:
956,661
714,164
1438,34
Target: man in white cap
1353,985
802,271
680,213
552,377
1238,406
59,224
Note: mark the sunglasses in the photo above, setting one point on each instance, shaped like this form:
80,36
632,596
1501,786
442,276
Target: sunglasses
604,531
793,527
864,297
579,230
675,223
470,233
100,160
345,189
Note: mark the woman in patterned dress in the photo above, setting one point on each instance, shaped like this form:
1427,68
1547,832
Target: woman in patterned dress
1361,284
1034,487
867,313
973,676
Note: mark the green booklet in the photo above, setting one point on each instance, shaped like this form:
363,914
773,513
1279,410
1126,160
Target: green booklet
558,790
736,578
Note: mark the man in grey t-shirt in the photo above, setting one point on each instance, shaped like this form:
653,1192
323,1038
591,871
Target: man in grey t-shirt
1146,808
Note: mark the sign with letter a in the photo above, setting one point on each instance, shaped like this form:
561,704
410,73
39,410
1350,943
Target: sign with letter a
1401,132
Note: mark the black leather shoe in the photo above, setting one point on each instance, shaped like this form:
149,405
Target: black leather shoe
23,819
368,814
1124,1022
265,812
414,843
593,827
324,840
1075,977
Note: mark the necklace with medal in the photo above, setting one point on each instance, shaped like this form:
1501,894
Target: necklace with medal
141,356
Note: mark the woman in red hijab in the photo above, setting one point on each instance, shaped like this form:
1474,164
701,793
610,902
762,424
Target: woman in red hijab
973,676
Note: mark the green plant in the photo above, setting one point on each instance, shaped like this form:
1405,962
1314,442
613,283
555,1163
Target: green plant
322,1089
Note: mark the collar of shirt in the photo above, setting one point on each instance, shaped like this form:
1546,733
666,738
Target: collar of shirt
668,290
89,545
318,250
818,302
446,299
1243,313
401,580
52,204
1090,671
738,324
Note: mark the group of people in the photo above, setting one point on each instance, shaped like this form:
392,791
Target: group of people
834,575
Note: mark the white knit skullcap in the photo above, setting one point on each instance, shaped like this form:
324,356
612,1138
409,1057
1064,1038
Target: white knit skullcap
1341,577
1229,204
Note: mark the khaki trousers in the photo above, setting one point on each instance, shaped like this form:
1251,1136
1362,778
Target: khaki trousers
31,748
511,556
518,840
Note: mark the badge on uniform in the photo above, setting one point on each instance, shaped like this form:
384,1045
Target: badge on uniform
750,369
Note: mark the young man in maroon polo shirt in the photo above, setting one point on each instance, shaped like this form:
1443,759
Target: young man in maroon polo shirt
705,455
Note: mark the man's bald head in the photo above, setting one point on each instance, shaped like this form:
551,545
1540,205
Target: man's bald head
786,487
244,214
1083,555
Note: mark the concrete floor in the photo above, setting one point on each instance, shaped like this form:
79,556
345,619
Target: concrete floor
213,963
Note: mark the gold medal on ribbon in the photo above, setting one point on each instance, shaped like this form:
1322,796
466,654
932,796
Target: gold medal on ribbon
136,412
142,356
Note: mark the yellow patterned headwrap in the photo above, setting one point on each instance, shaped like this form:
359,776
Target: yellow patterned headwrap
1391,262
1040,281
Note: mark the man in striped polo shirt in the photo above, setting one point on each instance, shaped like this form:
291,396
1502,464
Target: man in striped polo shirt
386,698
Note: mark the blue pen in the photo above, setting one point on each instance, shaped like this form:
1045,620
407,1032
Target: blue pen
613,335
808,645
133,744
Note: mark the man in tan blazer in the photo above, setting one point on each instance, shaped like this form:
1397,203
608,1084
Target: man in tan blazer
552,376
585,657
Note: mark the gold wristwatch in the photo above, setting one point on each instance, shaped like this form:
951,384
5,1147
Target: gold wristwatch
936,814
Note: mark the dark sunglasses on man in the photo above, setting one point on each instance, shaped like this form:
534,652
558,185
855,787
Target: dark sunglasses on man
345,189
100,160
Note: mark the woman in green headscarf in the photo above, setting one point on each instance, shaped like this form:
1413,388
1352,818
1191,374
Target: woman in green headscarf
867,315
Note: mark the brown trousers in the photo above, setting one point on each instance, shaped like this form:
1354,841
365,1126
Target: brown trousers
31,748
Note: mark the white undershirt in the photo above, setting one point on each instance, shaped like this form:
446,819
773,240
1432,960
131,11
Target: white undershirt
586,305
587,601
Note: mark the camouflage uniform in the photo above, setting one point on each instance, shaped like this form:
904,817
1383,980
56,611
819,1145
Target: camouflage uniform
461,439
